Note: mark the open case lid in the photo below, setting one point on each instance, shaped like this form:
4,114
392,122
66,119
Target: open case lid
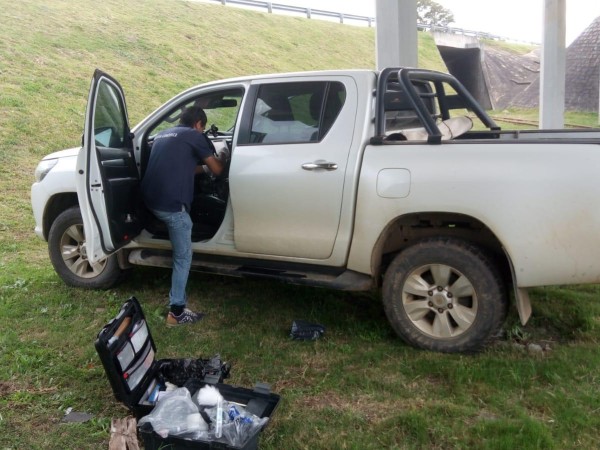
126,349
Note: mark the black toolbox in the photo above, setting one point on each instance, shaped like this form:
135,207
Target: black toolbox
127,352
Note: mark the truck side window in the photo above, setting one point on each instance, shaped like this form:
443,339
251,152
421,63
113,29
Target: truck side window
296,112
109,128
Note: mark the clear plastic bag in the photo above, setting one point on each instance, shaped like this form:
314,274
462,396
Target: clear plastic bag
241,425
177,415
237,425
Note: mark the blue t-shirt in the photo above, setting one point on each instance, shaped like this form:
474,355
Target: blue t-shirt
168,182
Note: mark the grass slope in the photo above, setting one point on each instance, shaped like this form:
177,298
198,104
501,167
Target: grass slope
359,387
155,48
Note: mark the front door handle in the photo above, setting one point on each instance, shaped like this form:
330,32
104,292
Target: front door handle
320,164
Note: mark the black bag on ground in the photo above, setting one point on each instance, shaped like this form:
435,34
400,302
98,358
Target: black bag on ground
306,331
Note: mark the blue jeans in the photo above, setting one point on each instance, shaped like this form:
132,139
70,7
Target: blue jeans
179,225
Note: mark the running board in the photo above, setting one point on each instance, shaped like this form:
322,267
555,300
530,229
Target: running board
347,280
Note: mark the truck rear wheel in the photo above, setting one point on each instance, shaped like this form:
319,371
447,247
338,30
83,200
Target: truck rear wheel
446,295
66,246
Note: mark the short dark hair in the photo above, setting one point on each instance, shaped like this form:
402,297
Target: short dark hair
191,115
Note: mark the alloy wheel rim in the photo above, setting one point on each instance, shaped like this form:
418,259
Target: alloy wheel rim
440,301
74,255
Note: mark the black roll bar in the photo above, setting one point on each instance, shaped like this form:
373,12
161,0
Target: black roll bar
406,76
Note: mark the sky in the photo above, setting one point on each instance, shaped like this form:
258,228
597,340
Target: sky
519,20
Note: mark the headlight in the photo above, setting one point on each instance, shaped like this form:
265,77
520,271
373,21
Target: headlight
43,168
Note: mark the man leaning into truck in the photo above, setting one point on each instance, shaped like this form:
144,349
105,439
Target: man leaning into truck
178,153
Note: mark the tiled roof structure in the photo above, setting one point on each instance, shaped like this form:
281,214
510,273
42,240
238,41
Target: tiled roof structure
581,74
583,70
509,75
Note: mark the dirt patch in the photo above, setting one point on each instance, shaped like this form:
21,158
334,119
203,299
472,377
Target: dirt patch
7,388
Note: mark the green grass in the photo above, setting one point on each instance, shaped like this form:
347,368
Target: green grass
357,388
572,119
512,47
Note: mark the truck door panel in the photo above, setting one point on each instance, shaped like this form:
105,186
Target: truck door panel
107,182
287,175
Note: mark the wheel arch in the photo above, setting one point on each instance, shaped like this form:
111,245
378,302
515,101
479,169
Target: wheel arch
406,230
56,205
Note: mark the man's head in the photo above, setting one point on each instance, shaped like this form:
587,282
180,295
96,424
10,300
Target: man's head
193,115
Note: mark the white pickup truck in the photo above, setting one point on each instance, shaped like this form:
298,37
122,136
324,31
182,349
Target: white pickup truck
343,179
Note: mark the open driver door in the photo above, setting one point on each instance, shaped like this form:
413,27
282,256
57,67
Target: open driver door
107,178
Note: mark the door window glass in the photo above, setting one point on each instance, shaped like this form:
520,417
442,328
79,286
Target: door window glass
295,112
110,127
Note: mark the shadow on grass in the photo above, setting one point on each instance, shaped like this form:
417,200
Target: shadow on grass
266,303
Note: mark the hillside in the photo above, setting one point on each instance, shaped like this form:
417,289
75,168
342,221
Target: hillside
155,48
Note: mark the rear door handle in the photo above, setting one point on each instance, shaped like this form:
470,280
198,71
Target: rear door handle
320,164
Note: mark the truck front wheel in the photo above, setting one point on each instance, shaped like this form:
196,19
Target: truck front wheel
66,246
444,294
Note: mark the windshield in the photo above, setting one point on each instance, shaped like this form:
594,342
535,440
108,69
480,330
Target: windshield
221,108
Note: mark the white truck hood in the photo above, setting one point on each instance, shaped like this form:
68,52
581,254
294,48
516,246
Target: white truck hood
63,153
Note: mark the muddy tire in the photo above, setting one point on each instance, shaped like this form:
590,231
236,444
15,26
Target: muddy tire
446,295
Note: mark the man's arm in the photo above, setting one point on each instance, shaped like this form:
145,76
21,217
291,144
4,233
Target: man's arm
215,165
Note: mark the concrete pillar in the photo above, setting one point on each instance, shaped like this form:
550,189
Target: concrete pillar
396,38
552,77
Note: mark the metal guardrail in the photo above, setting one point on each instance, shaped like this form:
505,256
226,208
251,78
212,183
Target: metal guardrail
370,21
309,12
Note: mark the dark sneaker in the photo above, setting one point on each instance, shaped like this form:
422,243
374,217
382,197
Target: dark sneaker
187,316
